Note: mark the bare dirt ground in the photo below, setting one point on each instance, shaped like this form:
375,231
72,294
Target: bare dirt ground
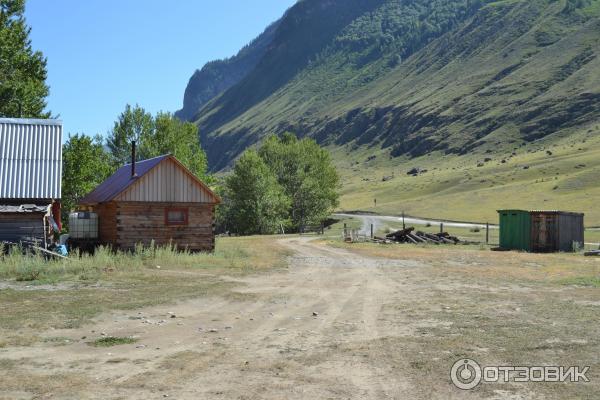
335,325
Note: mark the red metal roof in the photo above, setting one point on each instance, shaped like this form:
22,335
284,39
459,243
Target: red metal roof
121,180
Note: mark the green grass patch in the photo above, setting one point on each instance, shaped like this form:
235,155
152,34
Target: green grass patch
587,281
110,341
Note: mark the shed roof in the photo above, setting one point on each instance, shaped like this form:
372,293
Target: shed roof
542,212
30,158
121,180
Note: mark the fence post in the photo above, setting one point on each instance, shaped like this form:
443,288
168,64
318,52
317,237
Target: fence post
403,224
442,227
487,233
322,228
372,231
345,231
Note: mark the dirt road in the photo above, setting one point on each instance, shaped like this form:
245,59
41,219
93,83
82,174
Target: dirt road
336,325
382,220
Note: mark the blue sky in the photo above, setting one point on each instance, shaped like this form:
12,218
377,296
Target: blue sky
103,54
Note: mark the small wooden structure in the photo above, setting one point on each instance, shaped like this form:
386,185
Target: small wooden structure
25,224
541,231
155,201
30,180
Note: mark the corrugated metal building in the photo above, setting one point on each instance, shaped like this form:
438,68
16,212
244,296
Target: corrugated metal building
541,231
30,178
154,201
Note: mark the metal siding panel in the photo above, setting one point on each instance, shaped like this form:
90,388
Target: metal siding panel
2,159
174,182
133,192
571,230
162,181
26,156
46,155
154,179
59,161
145,184
34,160
30,159
168,189
140,189
183,189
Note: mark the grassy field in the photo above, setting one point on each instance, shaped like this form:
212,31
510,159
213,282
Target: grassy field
38,295
553,269
551,174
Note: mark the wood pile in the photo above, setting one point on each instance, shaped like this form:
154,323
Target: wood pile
409,235
593,253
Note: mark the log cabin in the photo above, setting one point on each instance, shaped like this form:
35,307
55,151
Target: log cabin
156,201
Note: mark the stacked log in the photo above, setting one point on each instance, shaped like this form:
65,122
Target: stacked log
409,235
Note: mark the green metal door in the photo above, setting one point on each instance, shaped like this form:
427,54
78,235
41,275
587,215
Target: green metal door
515,230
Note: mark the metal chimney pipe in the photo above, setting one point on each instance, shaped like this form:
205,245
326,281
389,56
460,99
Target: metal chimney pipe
133,173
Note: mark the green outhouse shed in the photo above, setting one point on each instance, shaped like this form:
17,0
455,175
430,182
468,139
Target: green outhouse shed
541,231
515,229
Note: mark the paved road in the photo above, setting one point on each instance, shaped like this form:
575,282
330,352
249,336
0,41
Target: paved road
396,222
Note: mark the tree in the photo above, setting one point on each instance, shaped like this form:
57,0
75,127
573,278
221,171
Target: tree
85,165
23,88
172,136
156,136
308,177
132,124
256,203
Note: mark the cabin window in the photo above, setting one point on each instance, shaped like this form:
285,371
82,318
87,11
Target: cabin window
176,216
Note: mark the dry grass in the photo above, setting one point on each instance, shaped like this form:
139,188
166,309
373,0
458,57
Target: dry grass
67,293
479,261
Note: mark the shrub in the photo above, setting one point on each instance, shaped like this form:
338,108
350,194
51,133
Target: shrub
109,341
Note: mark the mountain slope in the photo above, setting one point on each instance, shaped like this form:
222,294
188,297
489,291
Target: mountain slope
217,76
414,76
445,83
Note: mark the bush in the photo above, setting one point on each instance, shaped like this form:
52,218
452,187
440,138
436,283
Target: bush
109,341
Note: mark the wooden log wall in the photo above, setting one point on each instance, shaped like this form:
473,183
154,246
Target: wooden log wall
107,223
145,222
16,227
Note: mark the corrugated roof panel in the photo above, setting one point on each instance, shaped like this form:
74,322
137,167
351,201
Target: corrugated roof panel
30,158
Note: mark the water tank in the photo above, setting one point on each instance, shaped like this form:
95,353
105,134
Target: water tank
83,225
